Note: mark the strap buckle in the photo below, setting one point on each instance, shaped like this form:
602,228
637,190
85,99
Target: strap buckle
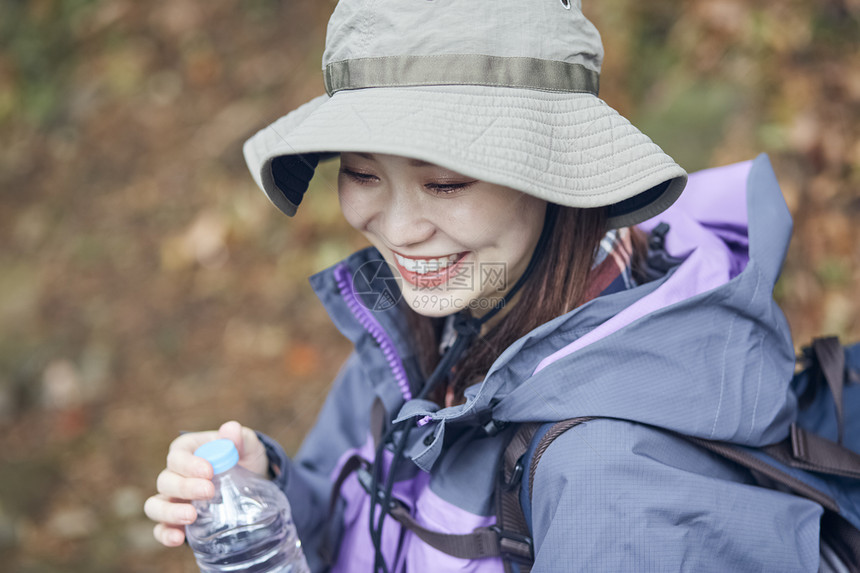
514,546
365,479
516,478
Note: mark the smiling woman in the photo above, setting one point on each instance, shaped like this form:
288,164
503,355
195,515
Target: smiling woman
536,264
437,229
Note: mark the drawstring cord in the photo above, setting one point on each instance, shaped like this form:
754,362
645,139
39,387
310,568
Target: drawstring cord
468,328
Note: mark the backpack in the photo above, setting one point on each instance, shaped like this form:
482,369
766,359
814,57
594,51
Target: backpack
820,460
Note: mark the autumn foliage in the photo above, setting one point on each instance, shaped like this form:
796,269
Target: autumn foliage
147,286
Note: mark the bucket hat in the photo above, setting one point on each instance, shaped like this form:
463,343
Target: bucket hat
500,90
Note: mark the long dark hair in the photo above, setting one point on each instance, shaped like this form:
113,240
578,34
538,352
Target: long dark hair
559,283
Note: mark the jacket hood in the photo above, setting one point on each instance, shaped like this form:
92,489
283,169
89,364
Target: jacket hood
704,351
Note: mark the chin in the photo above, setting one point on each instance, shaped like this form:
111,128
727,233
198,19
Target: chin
432,313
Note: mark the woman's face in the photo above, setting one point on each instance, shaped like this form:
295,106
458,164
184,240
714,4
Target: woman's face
456,242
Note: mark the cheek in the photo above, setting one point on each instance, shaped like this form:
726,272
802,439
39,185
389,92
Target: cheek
524,230
514,224
352,209
534,213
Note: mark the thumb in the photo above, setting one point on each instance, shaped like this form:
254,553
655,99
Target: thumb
252,454
232,430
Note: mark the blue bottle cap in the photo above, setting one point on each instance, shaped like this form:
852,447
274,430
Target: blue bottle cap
222,454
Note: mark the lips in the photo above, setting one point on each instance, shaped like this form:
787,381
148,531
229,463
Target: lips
429,272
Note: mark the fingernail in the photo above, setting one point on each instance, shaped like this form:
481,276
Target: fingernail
203,490
176,537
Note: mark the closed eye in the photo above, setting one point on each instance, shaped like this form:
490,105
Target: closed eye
448,188
359,177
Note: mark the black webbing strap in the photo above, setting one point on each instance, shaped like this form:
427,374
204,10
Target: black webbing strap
480,543
830,358
509,511
816,454
377,425
843,538
327,548
354,462
749,461
807,451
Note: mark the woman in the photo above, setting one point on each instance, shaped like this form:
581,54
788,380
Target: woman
507,283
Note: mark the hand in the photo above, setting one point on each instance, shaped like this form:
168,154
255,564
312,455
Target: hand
188,477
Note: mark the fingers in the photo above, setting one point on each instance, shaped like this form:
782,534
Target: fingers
173,485
185,463
172,517
186,477
168,535
168,511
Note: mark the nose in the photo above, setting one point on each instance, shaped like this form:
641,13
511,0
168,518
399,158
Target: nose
403,221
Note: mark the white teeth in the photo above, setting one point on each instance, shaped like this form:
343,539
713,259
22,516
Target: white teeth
424,266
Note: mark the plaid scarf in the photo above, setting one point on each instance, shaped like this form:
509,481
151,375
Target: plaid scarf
611,271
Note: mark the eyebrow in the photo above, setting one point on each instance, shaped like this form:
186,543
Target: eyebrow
412,162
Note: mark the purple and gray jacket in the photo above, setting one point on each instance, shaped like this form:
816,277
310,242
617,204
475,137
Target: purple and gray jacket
703,351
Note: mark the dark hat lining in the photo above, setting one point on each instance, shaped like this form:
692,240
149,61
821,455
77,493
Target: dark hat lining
292,175
637,202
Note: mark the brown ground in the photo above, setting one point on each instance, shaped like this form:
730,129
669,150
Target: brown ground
147,287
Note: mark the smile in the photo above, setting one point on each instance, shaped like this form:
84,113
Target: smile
428,271
424,266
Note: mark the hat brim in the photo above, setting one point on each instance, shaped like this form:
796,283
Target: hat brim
570,149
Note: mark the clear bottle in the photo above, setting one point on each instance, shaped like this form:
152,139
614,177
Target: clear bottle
247,526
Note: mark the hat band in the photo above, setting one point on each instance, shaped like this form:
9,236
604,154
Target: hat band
460,69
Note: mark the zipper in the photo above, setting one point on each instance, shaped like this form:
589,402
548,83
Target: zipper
371,325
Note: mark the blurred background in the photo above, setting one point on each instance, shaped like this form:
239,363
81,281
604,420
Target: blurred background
147,286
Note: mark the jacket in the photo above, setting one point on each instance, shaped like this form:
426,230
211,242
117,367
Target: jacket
703,350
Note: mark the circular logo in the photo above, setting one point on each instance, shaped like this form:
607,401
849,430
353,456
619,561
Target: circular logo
375,286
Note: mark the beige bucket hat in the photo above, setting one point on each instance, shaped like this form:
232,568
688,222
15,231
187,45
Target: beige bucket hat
500,90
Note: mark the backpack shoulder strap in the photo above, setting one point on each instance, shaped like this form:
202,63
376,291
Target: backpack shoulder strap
554,431
828,356
513,508
509,511
807,451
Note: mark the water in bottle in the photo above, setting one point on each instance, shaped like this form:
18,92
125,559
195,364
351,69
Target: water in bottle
247,526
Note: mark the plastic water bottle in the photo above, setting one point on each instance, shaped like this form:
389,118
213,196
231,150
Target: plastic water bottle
247,526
